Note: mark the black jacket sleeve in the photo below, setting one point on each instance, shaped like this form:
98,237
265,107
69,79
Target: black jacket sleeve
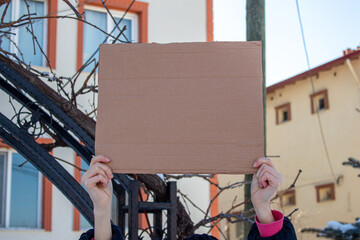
201,237
286,233
116,233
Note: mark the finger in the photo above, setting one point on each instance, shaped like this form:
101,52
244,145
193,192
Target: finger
254,184
254,180
264,168
268,179
263,160
106,169
99,167
98,179
95,170
99,158
84,178
261,169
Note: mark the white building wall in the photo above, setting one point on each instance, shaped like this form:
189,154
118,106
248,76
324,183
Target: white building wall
168,21
177,21
197,190
66,44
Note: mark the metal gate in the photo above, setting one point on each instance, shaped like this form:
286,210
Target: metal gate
44,112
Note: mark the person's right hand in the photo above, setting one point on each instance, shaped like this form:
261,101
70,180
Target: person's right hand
97,181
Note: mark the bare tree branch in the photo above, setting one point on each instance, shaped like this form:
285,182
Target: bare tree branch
5,10
78,15
295,210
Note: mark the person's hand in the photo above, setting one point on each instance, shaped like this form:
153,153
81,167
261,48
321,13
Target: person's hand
97,181
264,186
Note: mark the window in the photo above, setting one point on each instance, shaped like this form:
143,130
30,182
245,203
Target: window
93,37
136,18
22,37
25,194
25,201
319,101
288,198
5,42
283,113
44,29
325,192
21,186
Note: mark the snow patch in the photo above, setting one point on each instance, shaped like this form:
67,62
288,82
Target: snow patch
339,226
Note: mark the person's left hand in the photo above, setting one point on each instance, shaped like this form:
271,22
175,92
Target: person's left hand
264,186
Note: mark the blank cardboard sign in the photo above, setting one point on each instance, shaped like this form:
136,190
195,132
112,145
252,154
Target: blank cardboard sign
180,107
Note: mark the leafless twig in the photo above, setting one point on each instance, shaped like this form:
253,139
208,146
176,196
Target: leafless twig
289,188
78,15
31,26
61,160
289,215
5,10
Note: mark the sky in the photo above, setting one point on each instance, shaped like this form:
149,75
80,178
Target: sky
330,26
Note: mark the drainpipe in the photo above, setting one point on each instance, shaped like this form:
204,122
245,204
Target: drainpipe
356,77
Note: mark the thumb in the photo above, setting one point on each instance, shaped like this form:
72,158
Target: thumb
254,182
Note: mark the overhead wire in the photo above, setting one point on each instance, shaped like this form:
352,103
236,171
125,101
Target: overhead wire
313,90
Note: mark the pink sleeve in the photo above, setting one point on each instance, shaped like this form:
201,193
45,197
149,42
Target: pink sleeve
268,230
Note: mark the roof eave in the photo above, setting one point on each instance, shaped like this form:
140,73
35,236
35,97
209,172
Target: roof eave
313,71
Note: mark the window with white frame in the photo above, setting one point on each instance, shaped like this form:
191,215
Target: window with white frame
94,37
21,191
21,42
5,38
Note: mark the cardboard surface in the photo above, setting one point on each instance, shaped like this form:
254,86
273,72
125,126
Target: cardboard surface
180,107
